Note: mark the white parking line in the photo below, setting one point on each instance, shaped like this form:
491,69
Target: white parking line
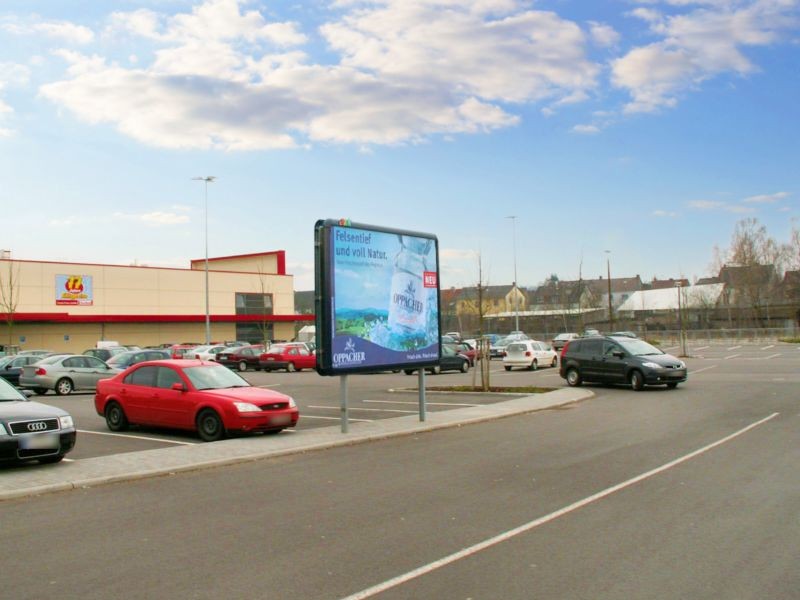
771,356
732,356
305,416
670,347
391,410
733,348
417,402
702,347
68,459
768,347
531,525
703,369
137,437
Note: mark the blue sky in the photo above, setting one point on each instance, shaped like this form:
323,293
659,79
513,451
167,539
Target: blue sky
647,128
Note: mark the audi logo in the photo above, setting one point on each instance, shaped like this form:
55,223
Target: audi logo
38,426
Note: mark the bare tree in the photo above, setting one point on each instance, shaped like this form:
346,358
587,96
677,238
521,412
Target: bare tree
9,297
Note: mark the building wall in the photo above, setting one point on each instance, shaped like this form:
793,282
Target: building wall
121,293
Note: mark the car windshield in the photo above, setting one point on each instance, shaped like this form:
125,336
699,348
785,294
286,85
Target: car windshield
8,393
50,360
214,378
639,347
5,360
120,360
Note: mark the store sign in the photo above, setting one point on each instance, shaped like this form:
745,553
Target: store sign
74,290
377,298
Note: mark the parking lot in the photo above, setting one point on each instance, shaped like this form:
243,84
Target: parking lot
388,395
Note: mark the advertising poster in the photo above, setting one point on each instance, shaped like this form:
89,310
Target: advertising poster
74,290
383,293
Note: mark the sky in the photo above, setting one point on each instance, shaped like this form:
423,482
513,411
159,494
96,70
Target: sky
633,134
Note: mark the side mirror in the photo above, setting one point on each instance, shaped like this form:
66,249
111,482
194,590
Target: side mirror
619,353
178,387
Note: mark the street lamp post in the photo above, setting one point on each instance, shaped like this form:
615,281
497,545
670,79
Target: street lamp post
610,307
514,246
206,179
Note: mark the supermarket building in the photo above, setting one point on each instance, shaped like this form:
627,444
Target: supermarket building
69,307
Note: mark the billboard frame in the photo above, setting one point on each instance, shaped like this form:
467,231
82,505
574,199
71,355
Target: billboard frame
325,300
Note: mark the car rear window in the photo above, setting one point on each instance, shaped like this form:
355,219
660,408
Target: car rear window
517,347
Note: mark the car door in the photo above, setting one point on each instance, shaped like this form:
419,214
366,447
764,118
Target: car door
173,408
613,365
138,395
76,369
96,370
306,359
591,356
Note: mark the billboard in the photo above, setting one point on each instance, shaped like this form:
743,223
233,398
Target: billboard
74,290
377,298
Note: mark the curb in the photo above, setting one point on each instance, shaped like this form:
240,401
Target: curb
147,464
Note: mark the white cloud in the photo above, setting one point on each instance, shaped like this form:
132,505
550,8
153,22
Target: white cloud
664,214
224,77
586,129
704,42
603,35
712,205
61,30
766,198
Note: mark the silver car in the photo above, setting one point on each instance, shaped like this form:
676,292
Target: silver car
64,373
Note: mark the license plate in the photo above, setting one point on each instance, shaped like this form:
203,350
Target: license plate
280,420
270,358
41,441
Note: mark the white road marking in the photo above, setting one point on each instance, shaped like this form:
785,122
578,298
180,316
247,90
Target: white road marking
768,347
732,356
733,348
493,541
702,347
703,369
416,403
137,437
670,347
771,356
68,459
391,410
304,416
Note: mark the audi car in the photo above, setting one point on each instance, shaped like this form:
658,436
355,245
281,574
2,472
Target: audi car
31,430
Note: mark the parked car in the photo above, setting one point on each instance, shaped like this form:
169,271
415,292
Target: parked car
208,352
465,349
561,339
105,353
496,350
590,332
241,357
178,351
450,361
32,430
64,373
194,395
11,366
529,354
292,357
619,359
120,362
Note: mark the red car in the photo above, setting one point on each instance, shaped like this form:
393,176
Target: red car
292,357
191,394
182,350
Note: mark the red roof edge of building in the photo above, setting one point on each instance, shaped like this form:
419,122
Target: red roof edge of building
68,318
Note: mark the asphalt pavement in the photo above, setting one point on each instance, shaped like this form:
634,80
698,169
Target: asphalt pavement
28,480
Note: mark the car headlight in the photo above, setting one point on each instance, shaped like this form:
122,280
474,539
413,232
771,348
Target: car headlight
681,364
651,365
292,403
66,422
246,407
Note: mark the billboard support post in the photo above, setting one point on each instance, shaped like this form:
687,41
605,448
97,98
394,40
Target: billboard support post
421,384
343,403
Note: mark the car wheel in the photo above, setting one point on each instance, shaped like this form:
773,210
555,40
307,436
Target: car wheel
115,417
290,367
63,387
209,426
465,366
573,378
242,365
49,460
507,368
637,380
672,385
554,364
534,365
436,370
408,372
40,391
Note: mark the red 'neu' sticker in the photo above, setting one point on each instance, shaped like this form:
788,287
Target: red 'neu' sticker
429,279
